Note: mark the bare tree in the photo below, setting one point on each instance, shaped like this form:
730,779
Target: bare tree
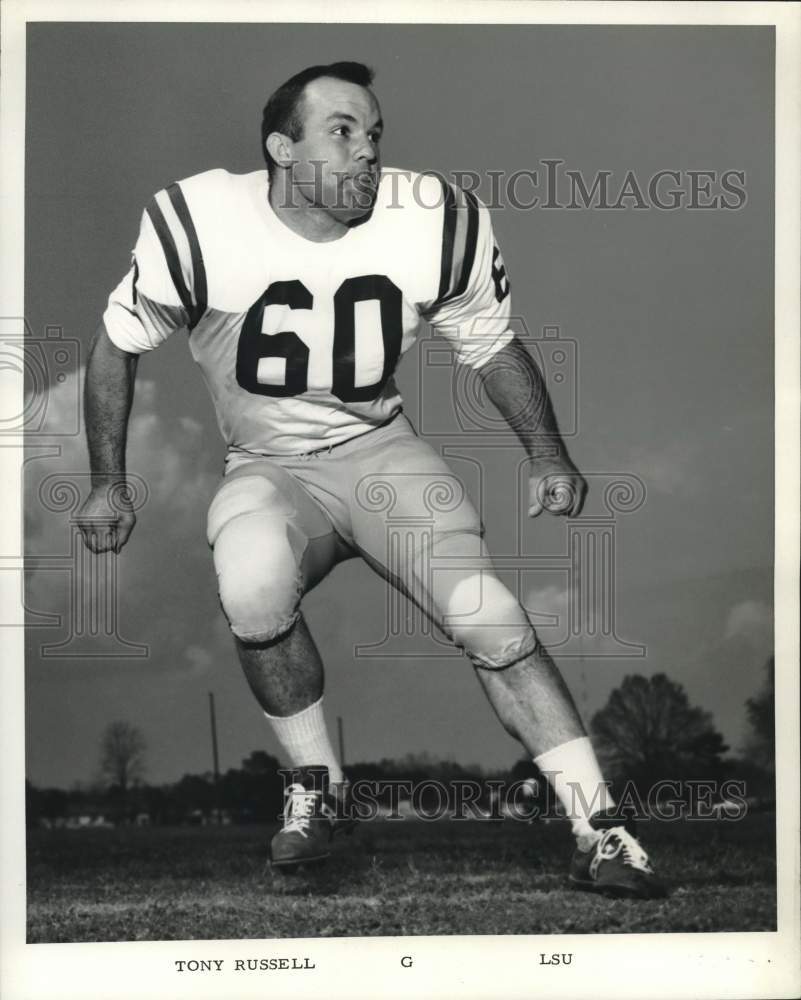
122,754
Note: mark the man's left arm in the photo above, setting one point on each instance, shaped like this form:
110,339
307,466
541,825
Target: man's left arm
515,384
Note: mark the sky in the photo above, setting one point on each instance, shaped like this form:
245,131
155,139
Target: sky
668,315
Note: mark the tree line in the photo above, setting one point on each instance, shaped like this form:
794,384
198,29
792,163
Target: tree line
647,732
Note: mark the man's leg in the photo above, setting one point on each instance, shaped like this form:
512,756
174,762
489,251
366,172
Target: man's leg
286,678
449,574
272,543
518,675
285,674
533,702
535,706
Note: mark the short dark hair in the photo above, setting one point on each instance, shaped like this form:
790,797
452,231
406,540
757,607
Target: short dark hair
282,112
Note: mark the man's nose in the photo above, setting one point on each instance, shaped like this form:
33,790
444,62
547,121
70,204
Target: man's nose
367,151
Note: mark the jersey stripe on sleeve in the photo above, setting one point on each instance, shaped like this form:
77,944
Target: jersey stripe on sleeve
167,241
448,235
459,242
199,285
471,240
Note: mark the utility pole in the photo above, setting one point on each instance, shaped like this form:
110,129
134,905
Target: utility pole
341,732
213,719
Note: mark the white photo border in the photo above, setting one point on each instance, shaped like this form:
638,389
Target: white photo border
697,965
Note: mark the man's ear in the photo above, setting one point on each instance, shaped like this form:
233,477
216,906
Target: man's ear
280,146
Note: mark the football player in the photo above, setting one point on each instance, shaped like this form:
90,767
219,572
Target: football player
301,286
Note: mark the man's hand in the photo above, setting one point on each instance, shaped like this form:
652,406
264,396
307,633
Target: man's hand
516,386
106,519
555,485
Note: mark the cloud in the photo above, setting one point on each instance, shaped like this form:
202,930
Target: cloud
199,660
167,554
168,456
713,457
547,610
550,600
751,621
166,453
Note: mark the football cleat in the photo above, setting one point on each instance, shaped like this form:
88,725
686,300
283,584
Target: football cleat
313,813
616,864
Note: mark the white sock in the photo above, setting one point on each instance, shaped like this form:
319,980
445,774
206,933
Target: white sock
304,739
573,771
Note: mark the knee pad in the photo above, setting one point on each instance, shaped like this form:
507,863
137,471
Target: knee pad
485,619
258,578
257,554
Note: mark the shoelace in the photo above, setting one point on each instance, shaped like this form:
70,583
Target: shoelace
300,809
612,842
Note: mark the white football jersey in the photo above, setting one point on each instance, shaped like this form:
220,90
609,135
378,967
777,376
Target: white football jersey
298,340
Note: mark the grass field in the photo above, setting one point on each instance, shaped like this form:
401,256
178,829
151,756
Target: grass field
391,877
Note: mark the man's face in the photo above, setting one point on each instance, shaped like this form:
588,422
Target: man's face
337,160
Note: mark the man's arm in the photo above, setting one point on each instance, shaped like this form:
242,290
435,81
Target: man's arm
108,395
514,383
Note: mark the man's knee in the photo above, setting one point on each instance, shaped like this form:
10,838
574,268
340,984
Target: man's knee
258,579
258,550
260,614
485,619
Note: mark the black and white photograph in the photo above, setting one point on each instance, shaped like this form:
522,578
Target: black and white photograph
400,490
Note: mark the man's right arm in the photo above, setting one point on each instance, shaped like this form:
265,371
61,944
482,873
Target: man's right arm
106,519
153,300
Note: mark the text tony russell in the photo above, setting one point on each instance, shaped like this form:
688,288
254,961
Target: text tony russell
242,964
